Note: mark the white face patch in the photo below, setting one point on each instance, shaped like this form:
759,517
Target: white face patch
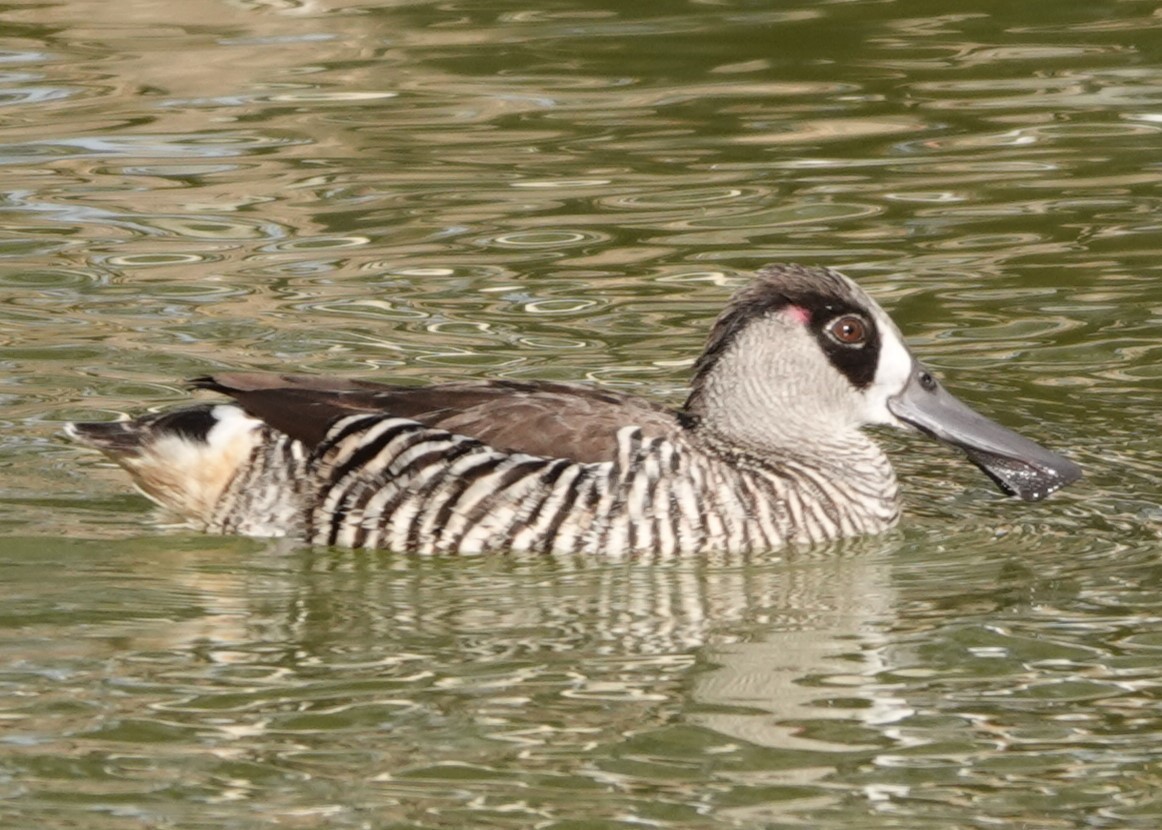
896,365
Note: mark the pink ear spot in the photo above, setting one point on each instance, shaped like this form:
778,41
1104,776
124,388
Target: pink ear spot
798,314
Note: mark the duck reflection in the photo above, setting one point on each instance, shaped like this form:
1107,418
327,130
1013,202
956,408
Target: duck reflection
750,647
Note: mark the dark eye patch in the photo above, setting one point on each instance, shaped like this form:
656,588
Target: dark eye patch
855,354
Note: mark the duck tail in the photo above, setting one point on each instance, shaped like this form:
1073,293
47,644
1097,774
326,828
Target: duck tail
185,460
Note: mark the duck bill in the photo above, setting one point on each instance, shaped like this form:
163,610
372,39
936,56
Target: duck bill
1018,466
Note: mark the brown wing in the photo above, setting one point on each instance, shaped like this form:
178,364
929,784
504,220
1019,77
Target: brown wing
557,420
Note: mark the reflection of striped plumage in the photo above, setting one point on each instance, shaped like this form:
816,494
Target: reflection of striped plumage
768,448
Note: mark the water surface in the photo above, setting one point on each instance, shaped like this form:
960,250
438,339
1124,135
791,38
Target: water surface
424,191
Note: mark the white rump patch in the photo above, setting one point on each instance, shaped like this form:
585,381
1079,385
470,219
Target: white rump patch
188,475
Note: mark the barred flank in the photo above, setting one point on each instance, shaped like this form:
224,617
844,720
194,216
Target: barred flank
265,496
385,482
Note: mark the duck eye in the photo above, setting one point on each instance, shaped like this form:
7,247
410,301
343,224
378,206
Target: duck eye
849,330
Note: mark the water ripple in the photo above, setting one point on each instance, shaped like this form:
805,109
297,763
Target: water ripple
415,192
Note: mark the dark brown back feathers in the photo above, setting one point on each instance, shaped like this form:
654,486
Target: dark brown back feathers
557,420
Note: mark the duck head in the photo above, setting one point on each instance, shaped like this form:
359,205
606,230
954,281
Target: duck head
803,355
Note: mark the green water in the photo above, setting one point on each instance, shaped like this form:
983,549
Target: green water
428,191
